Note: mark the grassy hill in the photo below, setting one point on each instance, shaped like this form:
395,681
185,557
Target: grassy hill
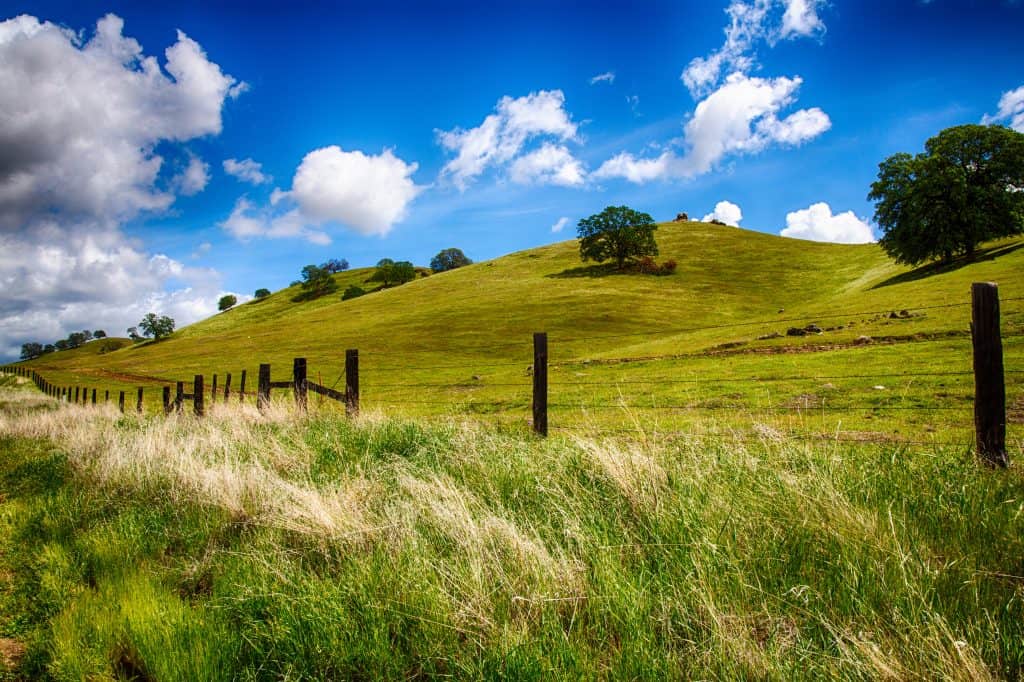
466,333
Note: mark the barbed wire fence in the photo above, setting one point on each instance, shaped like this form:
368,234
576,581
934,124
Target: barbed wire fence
989,404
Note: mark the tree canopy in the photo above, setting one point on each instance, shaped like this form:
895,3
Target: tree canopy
316,282
449,259
226,302
156,326
617,233
262,293
965,188
390,272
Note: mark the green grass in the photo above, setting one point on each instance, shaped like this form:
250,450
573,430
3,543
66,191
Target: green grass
460,342
282,548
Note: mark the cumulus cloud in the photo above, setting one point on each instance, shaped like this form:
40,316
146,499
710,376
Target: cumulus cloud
740,117
501,136
750,23
1011,110
560,224
365,193
194,178
246,170
817,223
80,120
606,77
551,164
726,212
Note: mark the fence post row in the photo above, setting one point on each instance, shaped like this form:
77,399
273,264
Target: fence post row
540,383
352,382
263,388
299,382
989,386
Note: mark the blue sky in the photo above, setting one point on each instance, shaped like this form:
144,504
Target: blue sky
370,130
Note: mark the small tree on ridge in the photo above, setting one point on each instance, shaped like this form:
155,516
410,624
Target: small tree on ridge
617,233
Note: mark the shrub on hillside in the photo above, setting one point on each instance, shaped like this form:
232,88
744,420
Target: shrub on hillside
353,291
649,266
316,282
261,293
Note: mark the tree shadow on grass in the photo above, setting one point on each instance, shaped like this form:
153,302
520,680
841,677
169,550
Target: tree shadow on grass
932,269
602,270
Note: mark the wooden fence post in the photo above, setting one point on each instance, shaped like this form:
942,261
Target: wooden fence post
989,386
263,388
167,399
197,395
241,388
76,394
120,403
352,382
540,383
299,383
106,396
94,396
213,390
227,387
138,402
179,396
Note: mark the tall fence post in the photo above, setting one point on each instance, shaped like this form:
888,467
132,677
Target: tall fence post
352,382
213,390
179,396
227,387
989,386
167,399
299,383
120,403
540,383
197,395
241,388
76,394
94,396
263,388
138,402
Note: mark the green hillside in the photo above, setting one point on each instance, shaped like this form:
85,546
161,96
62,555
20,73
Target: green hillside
467,333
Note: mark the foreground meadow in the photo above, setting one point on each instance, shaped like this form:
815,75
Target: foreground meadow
244,546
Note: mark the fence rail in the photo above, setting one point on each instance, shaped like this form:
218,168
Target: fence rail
989,404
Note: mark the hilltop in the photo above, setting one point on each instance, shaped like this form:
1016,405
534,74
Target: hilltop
731,287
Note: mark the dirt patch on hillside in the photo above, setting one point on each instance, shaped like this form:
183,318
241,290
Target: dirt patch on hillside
11,652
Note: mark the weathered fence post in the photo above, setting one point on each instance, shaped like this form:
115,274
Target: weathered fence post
179,396
540,383
120,403
167,399
263,388
106,396
94,396
197,395
213,390
352,382
138,402
76,394
299,383
989,386
241,388
227,387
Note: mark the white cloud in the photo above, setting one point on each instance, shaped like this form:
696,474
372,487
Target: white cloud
201,250
726,212
246,170
551,164
627,166
248,221
366,193
501,136
193,179
560,224
817,223
1011,110
740,117
606,77
79,122
80,119
801,19
752,22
